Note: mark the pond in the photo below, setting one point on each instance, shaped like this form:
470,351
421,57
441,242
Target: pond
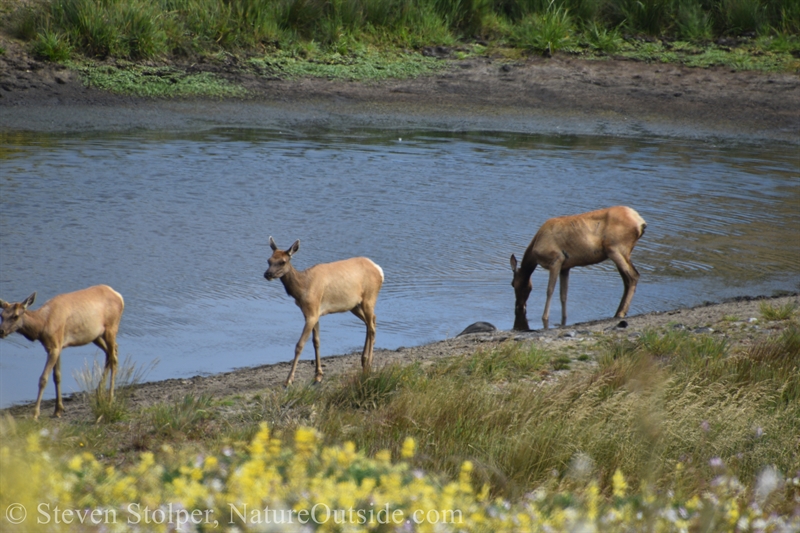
178,220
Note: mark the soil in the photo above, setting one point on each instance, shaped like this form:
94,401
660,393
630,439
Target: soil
738,320
562,88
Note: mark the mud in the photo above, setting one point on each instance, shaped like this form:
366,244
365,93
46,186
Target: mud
602,96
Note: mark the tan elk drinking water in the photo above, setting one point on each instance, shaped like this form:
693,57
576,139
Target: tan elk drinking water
349,285
573,241
71,319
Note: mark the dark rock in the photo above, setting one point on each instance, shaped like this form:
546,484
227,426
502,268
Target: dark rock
478,327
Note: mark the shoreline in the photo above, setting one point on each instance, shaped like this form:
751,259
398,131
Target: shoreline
560,95
708,318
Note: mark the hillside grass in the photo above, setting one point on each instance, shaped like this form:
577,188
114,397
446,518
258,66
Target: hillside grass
375,39
674,412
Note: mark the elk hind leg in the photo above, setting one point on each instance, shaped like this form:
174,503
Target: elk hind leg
57,382
563,285
318,362
366,313
630,277
108,344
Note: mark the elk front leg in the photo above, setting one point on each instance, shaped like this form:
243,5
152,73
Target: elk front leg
52,356
630,277
307,329
563,288
555,269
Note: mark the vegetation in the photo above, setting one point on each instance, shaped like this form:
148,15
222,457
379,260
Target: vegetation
667,429
267,484
326,35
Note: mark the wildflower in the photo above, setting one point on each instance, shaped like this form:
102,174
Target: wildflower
768,480
409,448
592,500
210,463
620,486
75,463
716,462
305,441
384,456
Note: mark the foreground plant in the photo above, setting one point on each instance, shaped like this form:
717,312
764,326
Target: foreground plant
266,485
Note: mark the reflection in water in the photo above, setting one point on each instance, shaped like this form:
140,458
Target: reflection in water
178,223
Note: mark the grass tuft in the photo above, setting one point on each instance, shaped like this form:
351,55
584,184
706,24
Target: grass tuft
104,408
783,312
182,418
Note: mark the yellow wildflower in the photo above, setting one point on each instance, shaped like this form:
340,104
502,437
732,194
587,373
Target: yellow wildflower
75,463
620,486
210,463
305,441
409,448
592,501
384,456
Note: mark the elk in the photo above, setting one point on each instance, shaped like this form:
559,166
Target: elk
349,285
71,319
574,241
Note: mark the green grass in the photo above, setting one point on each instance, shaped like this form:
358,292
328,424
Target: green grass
377,39
366,65
783,312
155,81
102,406
668,401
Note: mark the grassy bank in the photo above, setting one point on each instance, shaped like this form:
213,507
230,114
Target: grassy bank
668,428
371,39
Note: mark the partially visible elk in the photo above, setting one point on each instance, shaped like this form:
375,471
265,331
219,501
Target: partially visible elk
574,241
348,285
71,319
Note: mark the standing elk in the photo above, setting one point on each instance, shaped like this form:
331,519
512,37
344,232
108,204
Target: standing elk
573,241
71,319
349,285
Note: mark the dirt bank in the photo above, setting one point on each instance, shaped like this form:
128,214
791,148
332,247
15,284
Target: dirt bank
613,91
740,321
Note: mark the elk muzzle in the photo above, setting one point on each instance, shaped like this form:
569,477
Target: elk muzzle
521,318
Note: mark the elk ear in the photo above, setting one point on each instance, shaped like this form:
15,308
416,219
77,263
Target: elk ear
513,263
4,304
29,300
272,244
293,248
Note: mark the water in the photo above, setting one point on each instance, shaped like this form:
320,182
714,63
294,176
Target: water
179,222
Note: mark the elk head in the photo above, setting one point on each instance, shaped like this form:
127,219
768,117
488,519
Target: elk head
522,289
12,315
279,263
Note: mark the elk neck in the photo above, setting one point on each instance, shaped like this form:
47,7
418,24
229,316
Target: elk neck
295,282
33,323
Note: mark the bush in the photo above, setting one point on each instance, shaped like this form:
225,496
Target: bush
550,31
51,46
